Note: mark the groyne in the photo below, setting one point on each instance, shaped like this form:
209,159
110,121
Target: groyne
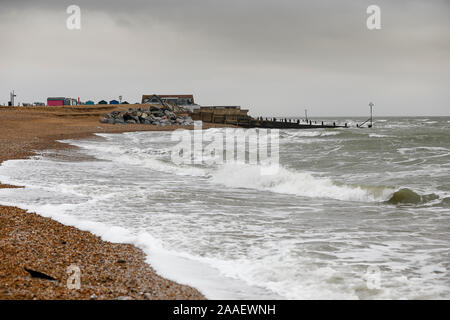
274,123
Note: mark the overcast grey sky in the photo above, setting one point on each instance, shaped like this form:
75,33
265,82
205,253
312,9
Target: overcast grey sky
275,57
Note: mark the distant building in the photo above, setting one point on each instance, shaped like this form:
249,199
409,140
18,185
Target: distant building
102,102
176,99
114,102
61,101
89,102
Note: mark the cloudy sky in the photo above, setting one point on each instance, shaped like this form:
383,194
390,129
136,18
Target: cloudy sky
276,57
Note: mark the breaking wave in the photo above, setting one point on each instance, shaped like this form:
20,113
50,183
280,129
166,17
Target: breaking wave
238,175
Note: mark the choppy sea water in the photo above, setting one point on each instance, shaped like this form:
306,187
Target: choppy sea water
351,213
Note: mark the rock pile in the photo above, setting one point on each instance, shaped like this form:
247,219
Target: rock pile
153,115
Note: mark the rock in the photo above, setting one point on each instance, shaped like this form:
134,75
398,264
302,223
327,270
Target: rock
154,116
148,295
37,274
124,298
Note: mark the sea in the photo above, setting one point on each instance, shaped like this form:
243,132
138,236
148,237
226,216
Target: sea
349,213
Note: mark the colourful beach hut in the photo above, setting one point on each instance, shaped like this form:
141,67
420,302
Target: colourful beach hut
89,102
57,101
114,102
102,102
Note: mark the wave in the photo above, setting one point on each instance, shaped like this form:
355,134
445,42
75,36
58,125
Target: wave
150,158
375,135
415,149
239,175
286,181
304,133
445,202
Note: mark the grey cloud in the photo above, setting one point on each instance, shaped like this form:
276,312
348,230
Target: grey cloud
279,48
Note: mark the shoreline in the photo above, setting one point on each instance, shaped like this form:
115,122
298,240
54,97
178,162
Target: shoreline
28,240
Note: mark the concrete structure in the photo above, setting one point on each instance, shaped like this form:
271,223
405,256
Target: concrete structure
176,99
221,114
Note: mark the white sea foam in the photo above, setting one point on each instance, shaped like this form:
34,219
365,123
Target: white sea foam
142,157
306,133
239,175
415,149
375,135
301,238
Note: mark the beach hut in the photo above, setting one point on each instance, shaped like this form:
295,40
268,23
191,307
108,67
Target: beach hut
114,102
89,102
56,101
102,102
125,102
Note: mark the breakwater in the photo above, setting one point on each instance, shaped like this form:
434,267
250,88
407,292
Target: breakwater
284,123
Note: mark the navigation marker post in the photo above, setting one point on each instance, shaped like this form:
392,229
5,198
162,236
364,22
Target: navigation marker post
371,114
